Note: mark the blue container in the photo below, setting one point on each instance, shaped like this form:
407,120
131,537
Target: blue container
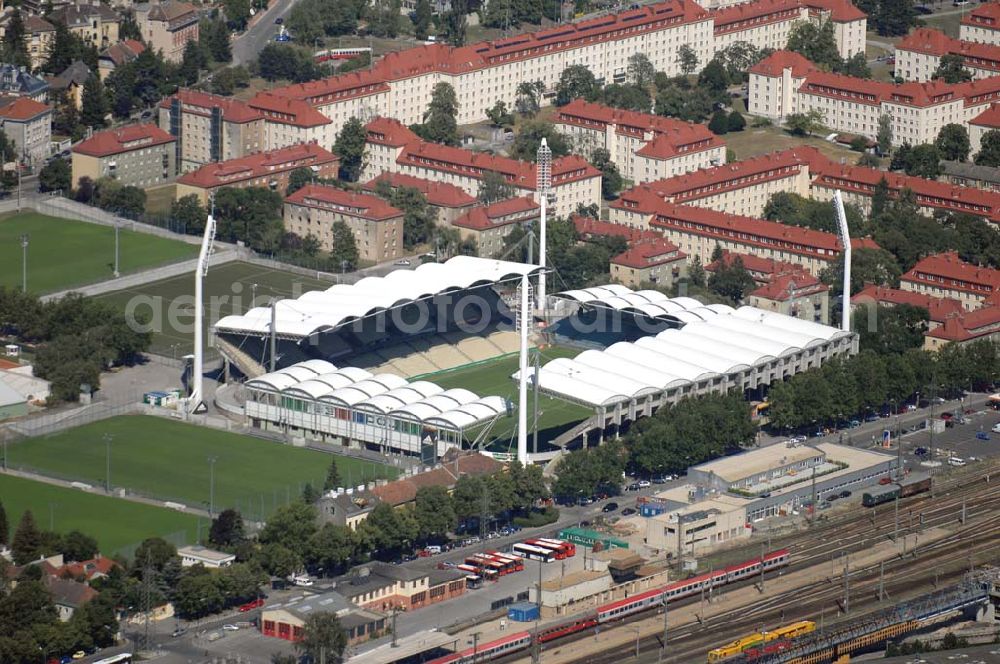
523,612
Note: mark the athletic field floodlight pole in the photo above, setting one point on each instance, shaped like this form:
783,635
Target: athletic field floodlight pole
845,239
196,403
24,262
544,183
524,320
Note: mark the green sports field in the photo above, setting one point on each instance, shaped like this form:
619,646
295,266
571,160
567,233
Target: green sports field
493,377
63,253
228,290
169,460
116,524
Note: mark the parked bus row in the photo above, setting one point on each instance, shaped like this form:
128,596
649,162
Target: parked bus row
545,550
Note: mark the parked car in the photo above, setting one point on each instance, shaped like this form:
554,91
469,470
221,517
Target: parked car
996,428
845,494
946,416
923,9
250,606
402,262
920,451
629,511
644,483
634,486
229,627
279,21
585,524
584,500
610,507
180,631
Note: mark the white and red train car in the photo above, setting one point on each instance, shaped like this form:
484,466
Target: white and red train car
614,611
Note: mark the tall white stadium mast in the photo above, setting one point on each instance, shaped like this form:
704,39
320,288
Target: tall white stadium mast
845,239
544,183
196,402
524,322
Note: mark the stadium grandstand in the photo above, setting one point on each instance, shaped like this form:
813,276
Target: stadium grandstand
408,323
381,411
702,349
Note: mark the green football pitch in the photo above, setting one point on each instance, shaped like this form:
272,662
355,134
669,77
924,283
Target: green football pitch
493,377
228,289
171,460
116,524
63,253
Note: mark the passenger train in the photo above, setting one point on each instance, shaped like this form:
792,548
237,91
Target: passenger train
620,609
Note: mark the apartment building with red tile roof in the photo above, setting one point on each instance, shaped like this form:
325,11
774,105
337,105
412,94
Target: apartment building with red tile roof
649,261
946,275
377,226
919,54
782,286
939,309
489,225
211,128
393,148
980,325
644,147
588,228
262,169
139,155
449,200
981,24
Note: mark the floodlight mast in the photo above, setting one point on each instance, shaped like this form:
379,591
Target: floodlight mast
524,320
196,402
544,183
845,240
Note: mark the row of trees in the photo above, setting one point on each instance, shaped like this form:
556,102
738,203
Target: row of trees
818,43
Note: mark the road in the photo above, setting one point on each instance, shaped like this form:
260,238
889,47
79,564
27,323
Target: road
249,44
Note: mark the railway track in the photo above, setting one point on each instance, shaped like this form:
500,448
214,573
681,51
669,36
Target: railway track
822,543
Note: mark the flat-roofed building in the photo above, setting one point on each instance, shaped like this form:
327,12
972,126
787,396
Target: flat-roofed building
210,128
376,225
644,147
709,520
287,620
487,226
743,471
200,555
137,155
947,275
262,169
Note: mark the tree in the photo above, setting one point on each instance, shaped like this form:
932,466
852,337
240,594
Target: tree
611,181
280,561
332,548
157,551
192,62
440,124
15,43
65,48
422,15
332,480
350,147
576,82
890,330
310,494
434,512
454,23
629,97
280,61
884,135
587,471
216,38
297,179
227,529
731,280
924,161
499,115
189,214
676,99
494,187
344,252
418,216
529,97
856,66
687,60
816,43
290,526
237,13
736,121
384,19
894,17
527,485
720,122
640,70
989,149
94,102
868,160
55,176
953,142
714,78
78,547
26,546
4,528
951,69
529,139
805,124
323,638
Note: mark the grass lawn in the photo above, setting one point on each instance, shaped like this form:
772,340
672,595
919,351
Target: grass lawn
494,378
948,24
751,142
228,290
168,460
63,253
116,524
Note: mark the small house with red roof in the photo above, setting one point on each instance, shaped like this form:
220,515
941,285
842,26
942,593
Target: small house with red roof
782,286
981,24
261,169
489,225
939,309
135,155
644,147
650,261
983,324
376,225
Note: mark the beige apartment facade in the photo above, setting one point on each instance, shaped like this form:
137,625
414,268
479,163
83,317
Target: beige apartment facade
168,27
982,24
136,155
210,128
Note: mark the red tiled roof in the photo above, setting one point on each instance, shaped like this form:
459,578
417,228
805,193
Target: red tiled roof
125,139
202,103
89,568
22,108
986,15
935,42
403,491
784,287
670,136
926,40
948,271
647,253
438,194
972,325
349,202
502,213
124,51
288,111
988,118
766,267
737,17
389,131
777,62
589,227
841,11
939,308
396,493
258,165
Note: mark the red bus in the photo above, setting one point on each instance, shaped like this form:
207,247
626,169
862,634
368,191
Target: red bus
568,547
558,552
534,553
474,570
511,563
485,563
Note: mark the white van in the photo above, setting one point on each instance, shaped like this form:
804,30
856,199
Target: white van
956,461
302,580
